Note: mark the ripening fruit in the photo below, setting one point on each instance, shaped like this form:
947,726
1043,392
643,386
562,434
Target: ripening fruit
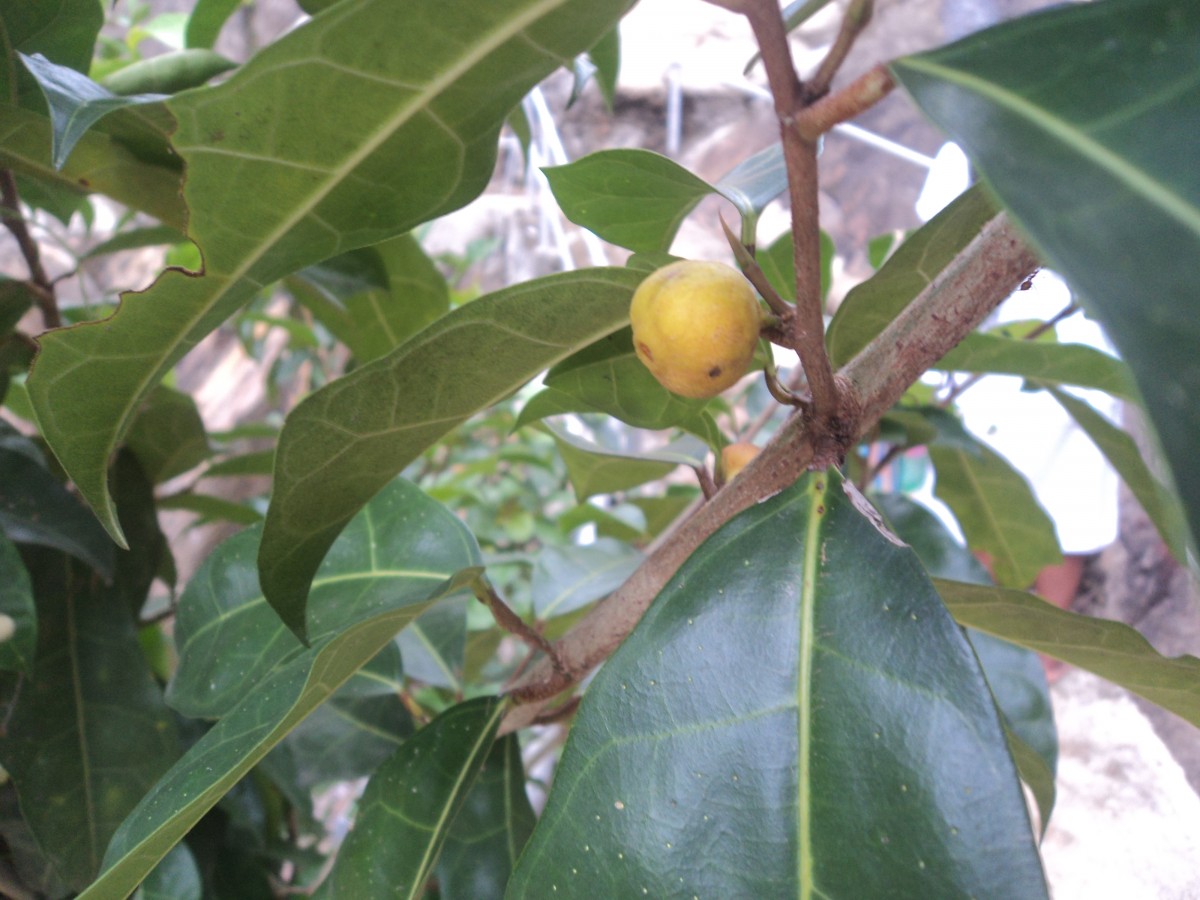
695,326
735,457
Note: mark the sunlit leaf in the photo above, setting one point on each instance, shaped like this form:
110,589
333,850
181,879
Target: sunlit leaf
1095,177
796,715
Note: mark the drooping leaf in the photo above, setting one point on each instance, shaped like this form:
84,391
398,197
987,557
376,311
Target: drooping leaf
928,253
16,602
1109,649
632,198
75,102
409,806
1073,364
796,715
348,439
401,544
90,733
296,158
168,435
490,830
1118,447
566,578
994,505
36,509
1095,177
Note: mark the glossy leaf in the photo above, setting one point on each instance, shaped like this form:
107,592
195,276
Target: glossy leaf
796,715
89,733
632,198
401,544
269,194
16,602
36,509
927,254
1109,649
1095,177
490,830
168,435
75,103
1159,503
347,440
1073,364
566,578
407,810
994,505
243,736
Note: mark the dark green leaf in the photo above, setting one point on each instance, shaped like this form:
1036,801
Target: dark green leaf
1108,649
1118,447
168,434
258,462
796,715
566,578
294,159
90,733
605,55
1074,364
1096,176
15,300
994,505
929,253
632,198
168,73
16,602
212,509
76,103
175,878
433,646
401,544
409,806
36,509
490,830
350,438
62,30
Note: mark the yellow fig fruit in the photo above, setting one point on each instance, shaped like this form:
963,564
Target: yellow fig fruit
735,457
695,326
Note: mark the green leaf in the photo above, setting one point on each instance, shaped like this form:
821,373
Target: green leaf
796,715
433,646
256,462
16,602
755,182
90,733
402,544
76,103
929,253
1095,176
605,55
994,505
350,438
1074,364
490,830
295,159
36,509
168,435
206,21
1160,503
632,198
135,239
267,714
1105,648
594,469
567,578
212,509
168,73
407,810
175,878
778,263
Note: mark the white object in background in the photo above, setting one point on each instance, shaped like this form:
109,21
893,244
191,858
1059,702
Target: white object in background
948,177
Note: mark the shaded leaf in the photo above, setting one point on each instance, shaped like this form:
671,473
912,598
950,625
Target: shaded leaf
90,733
432,647
994,505
796,715
175,878
407,810
1108,649
206,21
490,830
168,435
605,55
16,602
1094,177
293,160
135,239
168,73
401,544
567,577
350,438
632,198
928,253
593,469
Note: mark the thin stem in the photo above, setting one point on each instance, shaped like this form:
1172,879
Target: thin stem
848,103
40,286
708,487
856,19
511,622
755,275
